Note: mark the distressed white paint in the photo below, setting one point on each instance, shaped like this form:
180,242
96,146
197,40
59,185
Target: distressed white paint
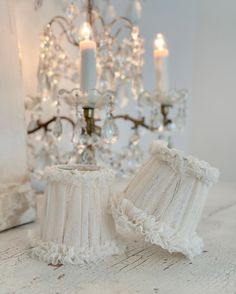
17,205
141,270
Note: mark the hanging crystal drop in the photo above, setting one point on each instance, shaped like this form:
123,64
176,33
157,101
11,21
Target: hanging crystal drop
73,156
45,94
41,84
138,154
171,127
123,95
57,130
124,101
155,118
110,131
80,148
84,140
130,160
71,11
135,138
106,79
42,159
88,156
31,102
43,88
134,157
96,140
137,88
77,133
54,93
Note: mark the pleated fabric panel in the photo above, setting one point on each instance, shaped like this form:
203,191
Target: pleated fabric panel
76,227
164,201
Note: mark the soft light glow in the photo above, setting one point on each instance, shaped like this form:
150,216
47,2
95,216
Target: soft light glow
160,43
85,31
115,68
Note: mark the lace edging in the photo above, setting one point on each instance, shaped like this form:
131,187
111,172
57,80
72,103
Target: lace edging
185,164
55,254
130,218
79,174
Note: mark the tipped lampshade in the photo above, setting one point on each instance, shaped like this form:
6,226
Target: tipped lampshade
164,201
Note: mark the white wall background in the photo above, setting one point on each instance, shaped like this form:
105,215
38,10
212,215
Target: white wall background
13,164
202,43
176,19
212,132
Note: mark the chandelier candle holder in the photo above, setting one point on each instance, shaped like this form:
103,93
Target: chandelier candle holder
87,135
164,201
100,58
76,227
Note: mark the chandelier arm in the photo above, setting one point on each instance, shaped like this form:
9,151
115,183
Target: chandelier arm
63,34
99,17
121,30
92,16
135,121
59,18
121,18
44,125
56,20
90,12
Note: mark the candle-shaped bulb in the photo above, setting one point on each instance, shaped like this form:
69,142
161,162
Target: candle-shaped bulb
160,54
85,31
160,46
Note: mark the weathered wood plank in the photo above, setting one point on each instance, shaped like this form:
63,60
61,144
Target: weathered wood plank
143,269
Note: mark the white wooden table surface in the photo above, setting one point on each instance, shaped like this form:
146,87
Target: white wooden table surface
142,270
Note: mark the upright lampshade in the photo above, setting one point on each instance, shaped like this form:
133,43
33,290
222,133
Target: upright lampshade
76,227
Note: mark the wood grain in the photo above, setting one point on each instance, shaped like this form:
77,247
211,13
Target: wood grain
143,269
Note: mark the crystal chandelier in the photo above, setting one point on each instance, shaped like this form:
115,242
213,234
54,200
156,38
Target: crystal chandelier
90,71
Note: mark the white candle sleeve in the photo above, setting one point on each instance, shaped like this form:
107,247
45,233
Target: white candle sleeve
161,67
87,65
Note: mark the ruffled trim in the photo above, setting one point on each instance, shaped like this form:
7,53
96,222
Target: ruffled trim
80,174
55,254
131,219
185,164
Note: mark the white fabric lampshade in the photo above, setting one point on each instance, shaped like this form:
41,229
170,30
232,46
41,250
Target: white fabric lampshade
164,201
76,227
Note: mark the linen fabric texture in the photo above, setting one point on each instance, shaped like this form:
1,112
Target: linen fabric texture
76,227
164,201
